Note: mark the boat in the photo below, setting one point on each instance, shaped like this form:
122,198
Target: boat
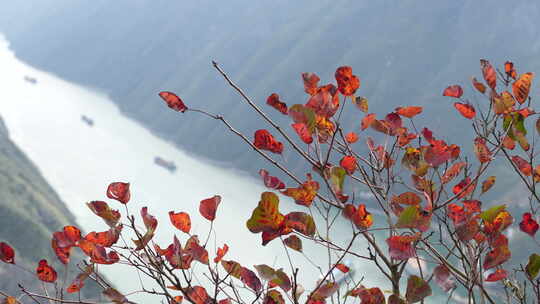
89,121
169,165
29,79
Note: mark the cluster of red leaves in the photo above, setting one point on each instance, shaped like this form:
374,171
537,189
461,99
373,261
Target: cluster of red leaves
360,217
266,141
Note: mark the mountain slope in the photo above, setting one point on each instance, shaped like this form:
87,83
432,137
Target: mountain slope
30,211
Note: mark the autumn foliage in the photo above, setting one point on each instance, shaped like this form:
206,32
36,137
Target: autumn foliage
425,226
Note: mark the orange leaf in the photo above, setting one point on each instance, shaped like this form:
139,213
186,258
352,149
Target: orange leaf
510,70
490,76
508,143
478,85
407,198
522,86
221,253
180,220
453,91
409,112
465,109
173,101
488,183
351,137
367,121
522,165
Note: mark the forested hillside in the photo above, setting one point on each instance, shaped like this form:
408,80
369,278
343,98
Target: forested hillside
30,211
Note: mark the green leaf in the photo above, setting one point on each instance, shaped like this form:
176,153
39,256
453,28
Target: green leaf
266,216
417,289
337,177
274,297
490,214
265,272
408,217
301,222
282,280
518,124
533,267
294,243
362,103
302,114
233,268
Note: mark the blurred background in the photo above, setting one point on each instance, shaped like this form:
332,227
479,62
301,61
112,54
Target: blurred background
79,84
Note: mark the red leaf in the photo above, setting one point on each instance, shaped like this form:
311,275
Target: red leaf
197,295
528,224
250,279
463,188
311,83
265,141
326,102
351,137
7,254
196,251
465,109
409,112
273,101
105,238
347,82
45,272
181,221
401,247
302,130
342,268
497,256
208,207
271,182
348,162
498,275
174,102
150,222
490,76
453,91
119,191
